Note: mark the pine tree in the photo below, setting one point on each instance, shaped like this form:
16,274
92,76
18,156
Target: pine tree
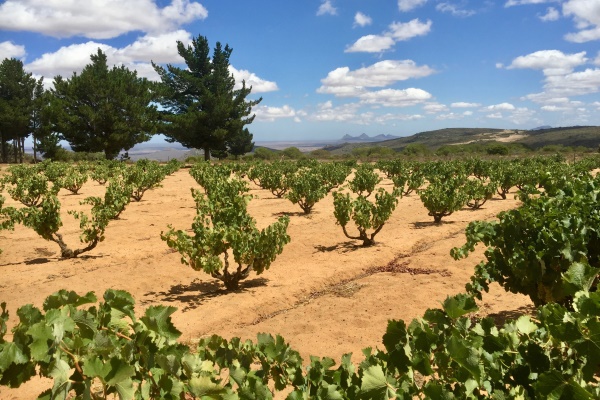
104,109
203,110
16,102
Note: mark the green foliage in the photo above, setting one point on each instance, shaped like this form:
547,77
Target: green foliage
103,170
365,214
444,196
478,193
27,185
505,176
17,100
143,176
273,177
292,153
73,178
46,221
94,349
409,179
364,181
202,109
104,110
547,249
333,174
416,149
306,189
117,196
222,227
263,153
497,149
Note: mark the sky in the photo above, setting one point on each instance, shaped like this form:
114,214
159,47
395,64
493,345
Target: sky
326,68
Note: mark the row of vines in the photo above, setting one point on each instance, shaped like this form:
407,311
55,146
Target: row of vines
547,249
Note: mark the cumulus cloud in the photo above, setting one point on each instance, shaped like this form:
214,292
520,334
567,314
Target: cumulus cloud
551,62
350,113
327,112
259,85
462,104
344,82
136,56
362,20
98,19
434,108
398,31
408,5
371,44
495,116
11,50
454,10
552,14
395,97
326,8
500,107
511,3
586,14
270,114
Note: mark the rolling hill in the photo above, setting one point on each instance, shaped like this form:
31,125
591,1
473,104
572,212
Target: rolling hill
586,136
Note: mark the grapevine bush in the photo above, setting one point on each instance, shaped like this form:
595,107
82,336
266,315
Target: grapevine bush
223,228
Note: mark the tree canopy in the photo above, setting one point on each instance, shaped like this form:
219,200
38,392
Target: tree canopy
16,103
202,107
104,110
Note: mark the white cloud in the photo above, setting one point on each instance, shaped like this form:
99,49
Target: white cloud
511,3
160,48
552,14
136,56
408,5
454,10
326,8
451,115
259,85
327,112
555,108
500,107
362,20
98,19
398,31
344,82
395,97
551,62
403,31
468,113
270,114
563,86
434,108
11,50
586,14
495,116
462,104
371,44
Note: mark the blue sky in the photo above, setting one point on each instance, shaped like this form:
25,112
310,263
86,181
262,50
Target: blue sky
326,68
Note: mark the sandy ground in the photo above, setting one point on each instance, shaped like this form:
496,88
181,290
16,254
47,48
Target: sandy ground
325,294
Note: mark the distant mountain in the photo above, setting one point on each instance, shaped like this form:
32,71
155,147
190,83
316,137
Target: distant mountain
585,136
366,138
541,127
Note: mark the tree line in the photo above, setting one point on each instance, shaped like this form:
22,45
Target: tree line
110,110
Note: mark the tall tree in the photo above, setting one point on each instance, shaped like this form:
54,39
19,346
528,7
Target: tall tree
40,122
104,109
16,102
202,108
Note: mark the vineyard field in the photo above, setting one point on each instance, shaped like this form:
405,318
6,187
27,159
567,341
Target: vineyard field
325,294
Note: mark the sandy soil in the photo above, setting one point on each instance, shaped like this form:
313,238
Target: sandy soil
325,294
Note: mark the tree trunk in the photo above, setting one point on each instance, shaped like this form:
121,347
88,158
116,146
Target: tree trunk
206,153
